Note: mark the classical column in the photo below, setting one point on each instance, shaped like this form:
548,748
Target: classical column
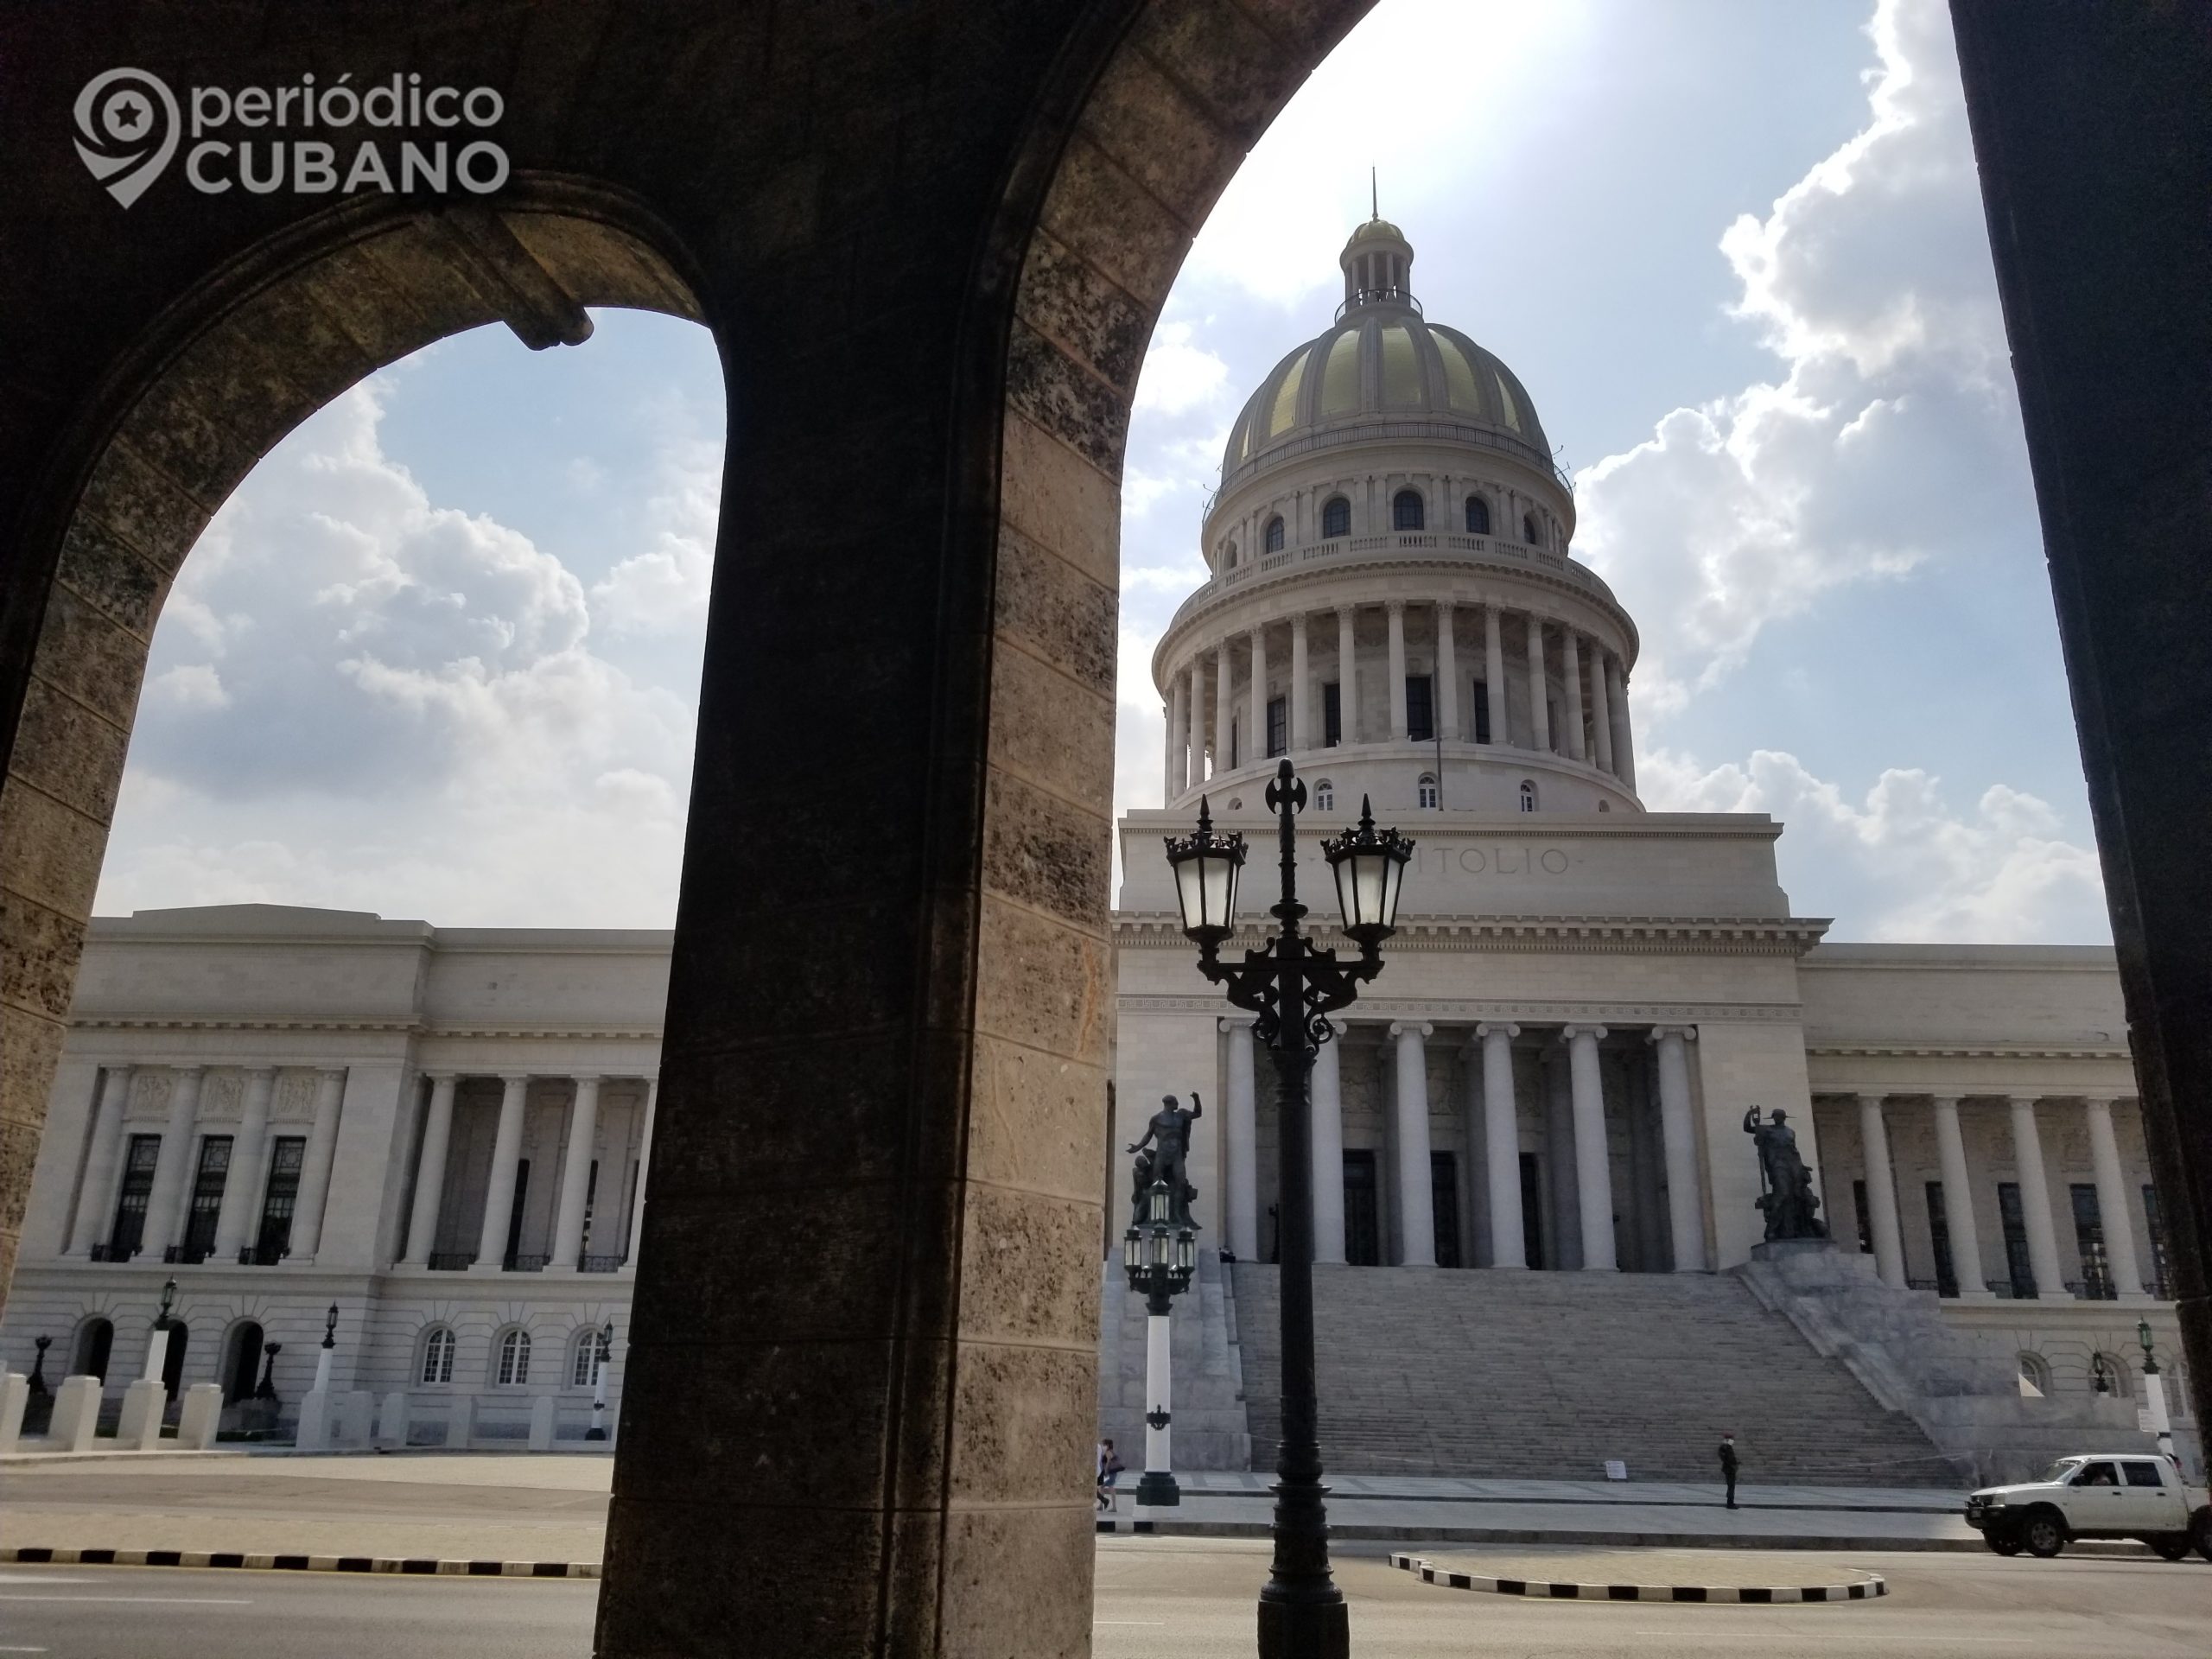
1958,1202
1256,721
1494,672
1678,1141
242,1183
96,1198
1178,742
173,1168
1302,735
1241,1190
1396,610
1329,1151
1501,1146
1448,677
1223,709
1881,1191
1601,719
1624,740
2112,1198
1347,676
1197,774
430,1173
575,1177
1540,718
1416,1196
638,1198
1570,674
499,1186
1593,1164
2034,1200
315,1163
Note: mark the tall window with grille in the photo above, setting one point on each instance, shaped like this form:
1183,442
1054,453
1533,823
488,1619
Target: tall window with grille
2019,1264
128,1232
1444,1206
1938,1240
207,1177
1865,1218
273,1238
2161,1283
1481,702
514,1359
2089,1238
437,1356
1278,727
1421,717
1333,715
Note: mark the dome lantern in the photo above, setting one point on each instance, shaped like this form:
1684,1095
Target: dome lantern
1379,264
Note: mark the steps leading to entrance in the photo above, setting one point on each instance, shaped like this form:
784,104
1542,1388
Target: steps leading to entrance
1547,1375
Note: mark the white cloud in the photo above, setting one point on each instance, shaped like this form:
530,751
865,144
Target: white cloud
189,685
1176,375
662,591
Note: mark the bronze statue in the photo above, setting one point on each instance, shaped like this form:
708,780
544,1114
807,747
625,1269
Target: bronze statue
1786,1196
1170,1133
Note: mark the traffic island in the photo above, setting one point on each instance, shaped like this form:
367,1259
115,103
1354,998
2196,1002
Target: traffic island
1644,1575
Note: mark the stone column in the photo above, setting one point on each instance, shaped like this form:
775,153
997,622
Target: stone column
1624,740
499,1186
315,1163
430,1173
638,1198
1257,719
1347,675
1958,1202
1178,742
1494,672
1540,717
242,1185
1881,1192
1416,1200
1223,708
1329,1152
1197,774
1302,735
575,1177
96,1198
165,1204
1571,673
1601,719
1678,1140
1448,678
1501,1146
2034,1201
2112,1198
1593,1164
1396,610
1241,1188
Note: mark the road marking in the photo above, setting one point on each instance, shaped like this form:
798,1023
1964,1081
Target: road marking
178,1601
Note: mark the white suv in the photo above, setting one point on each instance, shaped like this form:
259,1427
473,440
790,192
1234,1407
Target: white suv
2097,1495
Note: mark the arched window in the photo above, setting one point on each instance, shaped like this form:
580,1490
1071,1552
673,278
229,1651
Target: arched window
2035,1375
592,1353
241,1361
437,1356
1406,512
1477,516
1528,796
1229,557
1275,534
1336,517
1426,789
94,1338
514,1359
1529,533
1325,797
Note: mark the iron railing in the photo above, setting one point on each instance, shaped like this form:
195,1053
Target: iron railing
452,1261
599,1263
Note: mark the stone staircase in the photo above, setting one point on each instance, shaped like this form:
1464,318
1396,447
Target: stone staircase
1545,1376
1208,1377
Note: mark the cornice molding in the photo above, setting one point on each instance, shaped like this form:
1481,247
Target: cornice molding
1379,1011
415,1029
1962,1049
1596,935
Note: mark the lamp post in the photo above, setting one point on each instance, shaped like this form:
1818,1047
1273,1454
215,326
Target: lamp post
1292,987
2154,1394
2099,1373
1160,1253
599,1360
157,1344
322,1360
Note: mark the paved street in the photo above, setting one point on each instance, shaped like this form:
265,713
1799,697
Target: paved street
1191,1597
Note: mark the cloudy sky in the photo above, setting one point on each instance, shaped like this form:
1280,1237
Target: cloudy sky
438,657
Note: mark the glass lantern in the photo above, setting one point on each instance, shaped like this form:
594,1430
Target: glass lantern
1369,866
1206,868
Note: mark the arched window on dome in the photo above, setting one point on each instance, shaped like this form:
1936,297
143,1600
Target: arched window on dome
1325,797
1528,796
1336,517
1426,791
1406,512
1531,532
1275,534
1477,516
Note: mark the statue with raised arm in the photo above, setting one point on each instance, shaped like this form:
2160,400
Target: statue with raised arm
1169,1134
1786,1196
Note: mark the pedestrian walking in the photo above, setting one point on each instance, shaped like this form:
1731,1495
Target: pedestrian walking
1109,1465
1728,1465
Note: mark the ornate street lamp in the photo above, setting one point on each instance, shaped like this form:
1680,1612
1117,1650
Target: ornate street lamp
1294,987
168,1300
1159,1252
2099,1373
605,1349
2154,1393
322,1360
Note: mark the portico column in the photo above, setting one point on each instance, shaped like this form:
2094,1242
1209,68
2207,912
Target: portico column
638,1198
500,1184
1396,610
1241,1194
1329,1151
430,1173
1301,720
96,1198
1593,1164
173,1166
1540,717
1347,677
575,1177
1258,716
1601,720
1494,672
1197,774
1881,1192
1570,674
1958,1202
242,1183
1678,1140
1502,1146
2112,1198
2034,1200
1448,678
1416,1196
1624,739
1178,740
315,1163
1223,708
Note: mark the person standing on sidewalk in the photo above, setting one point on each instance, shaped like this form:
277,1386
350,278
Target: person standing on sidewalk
1728,1466
1109,1465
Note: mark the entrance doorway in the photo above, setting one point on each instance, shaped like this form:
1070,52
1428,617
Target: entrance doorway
93,1342
1532,1209
1363,1213
173,1361
1444,1201
242,1370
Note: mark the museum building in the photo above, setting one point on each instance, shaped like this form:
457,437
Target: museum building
1531,1169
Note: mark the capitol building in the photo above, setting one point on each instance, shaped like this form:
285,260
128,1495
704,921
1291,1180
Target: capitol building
1535,1201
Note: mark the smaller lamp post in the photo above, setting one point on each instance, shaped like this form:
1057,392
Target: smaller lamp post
157,1344
38,1389
2099,1373
1160,1253
266,1389
2154,1394
322,1360
603,1348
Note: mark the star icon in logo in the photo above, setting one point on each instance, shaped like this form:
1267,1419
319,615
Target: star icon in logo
129,115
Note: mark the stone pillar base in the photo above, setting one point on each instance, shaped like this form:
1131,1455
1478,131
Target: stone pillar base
15,1394
196,1422
76,1414
1158,1490
140,1426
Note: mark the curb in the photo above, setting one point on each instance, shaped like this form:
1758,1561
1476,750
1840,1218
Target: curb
1434,1534
1755,1594
412,1565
